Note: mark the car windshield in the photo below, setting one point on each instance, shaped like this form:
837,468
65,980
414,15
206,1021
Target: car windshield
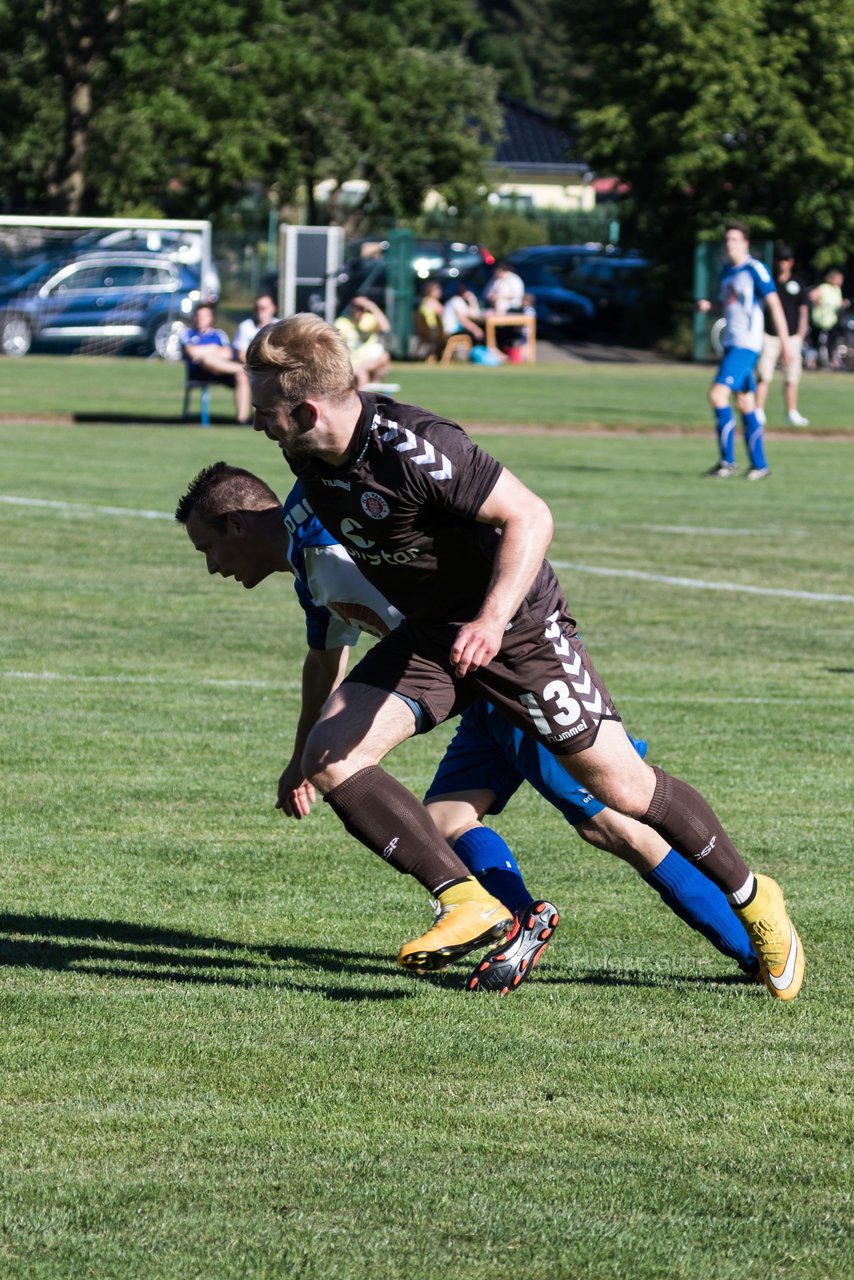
23,281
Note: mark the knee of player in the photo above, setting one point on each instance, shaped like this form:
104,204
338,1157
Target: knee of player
315,760
447,821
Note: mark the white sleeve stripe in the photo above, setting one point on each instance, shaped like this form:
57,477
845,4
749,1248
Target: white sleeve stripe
411,441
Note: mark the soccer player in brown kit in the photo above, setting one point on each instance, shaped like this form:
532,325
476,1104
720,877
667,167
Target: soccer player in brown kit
457,544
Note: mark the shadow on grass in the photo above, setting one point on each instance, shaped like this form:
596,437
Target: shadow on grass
126,950
123,949
634,978
108,419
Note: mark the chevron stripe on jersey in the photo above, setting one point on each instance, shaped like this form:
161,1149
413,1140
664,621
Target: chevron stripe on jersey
411,441
586,692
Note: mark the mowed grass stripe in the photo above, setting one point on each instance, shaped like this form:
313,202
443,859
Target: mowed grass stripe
598,570
211,1066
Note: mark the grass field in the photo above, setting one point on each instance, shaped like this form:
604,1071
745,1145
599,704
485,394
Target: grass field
653,397
211,1067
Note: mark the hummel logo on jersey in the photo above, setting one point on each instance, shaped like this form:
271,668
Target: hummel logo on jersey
299,513
426,455
337,484
390,847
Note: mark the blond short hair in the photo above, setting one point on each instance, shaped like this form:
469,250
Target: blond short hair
310,357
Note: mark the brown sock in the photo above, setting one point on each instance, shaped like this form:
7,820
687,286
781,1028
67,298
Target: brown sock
380,812
683,818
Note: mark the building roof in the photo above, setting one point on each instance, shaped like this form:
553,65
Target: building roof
532,139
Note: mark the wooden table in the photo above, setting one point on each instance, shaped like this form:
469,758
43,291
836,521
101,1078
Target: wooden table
491,320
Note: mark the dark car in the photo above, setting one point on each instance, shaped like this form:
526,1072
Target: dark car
578,283
365,270
99,302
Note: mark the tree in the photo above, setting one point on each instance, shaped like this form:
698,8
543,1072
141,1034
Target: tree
381,91
111,105
526,42
164,106
741,108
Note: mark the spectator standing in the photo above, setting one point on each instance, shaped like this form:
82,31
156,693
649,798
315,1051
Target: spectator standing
795,303
504,295
746,289
505,291
827,302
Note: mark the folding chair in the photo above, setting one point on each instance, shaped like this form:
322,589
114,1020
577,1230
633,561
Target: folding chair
458,342
195,380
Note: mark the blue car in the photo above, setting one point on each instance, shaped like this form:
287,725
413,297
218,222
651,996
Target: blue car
580,287
99,303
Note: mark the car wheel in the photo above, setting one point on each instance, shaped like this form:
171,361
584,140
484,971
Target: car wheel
164,339
16,336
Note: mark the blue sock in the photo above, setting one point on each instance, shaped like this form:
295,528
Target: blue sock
754,434
725,423
696,900
491,860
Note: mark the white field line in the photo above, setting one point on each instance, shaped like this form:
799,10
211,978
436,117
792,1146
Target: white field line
690,530
695,583
82,508
71,678
703,584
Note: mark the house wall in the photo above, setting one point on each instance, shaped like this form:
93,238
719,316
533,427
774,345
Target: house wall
545,193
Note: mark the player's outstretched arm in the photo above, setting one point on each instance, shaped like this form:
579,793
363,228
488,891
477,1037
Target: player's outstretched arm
526,531
322,672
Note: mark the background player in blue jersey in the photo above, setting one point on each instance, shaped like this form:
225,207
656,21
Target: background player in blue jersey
747,288
236,521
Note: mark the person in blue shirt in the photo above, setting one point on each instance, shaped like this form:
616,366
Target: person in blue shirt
236,521
210,354
747,288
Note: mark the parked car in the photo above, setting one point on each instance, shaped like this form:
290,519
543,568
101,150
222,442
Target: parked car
578,283
176,245
365,268
104,301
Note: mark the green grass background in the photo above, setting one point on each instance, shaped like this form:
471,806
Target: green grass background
653,397
210,1066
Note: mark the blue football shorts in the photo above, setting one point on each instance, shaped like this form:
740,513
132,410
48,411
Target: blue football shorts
737,369
488,754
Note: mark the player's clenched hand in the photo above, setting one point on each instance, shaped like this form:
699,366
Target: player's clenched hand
476,645
296,794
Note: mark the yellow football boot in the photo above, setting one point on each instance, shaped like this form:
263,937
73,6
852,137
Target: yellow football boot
468,918
777,945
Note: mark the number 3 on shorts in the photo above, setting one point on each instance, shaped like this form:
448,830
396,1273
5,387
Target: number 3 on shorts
569,709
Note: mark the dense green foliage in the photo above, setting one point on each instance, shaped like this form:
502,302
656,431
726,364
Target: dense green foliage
159,106
118,107
743,108
212,1069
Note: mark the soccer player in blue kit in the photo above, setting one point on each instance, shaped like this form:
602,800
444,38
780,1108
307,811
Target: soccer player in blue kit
236,521
747,288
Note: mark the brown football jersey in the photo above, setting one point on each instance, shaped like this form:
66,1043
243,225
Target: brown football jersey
405,511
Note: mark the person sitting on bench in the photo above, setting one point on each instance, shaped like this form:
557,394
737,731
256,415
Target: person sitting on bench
210,358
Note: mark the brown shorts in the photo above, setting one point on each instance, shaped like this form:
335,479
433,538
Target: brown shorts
542,679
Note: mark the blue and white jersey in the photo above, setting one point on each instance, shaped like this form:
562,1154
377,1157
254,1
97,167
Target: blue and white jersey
338,602
743,292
